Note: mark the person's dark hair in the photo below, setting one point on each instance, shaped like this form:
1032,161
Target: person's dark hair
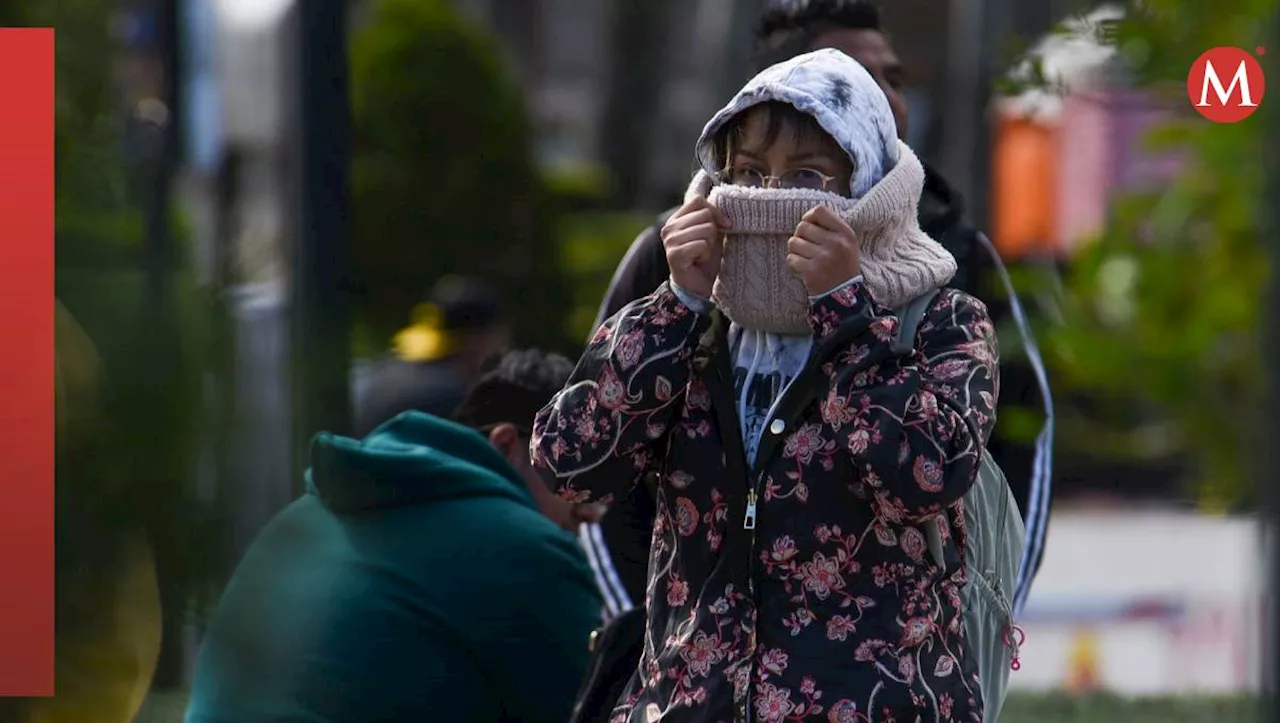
513,389
803,126
790,27
466,304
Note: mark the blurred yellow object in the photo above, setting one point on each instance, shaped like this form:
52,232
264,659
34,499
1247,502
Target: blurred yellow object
104,674
1214,499
77,369
108,648
424,339
1083,674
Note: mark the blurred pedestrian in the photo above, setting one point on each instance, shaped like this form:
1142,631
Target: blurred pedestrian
436,358
808,557
789,28
416,580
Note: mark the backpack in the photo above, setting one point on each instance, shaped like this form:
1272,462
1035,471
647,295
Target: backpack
615,656
996,540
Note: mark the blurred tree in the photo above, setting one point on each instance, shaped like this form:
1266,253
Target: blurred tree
591,242
443,175
126,505
1161,312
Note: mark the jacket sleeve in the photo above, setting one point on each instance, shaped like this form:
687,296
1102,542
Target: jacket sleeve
601,431
641,270
915,427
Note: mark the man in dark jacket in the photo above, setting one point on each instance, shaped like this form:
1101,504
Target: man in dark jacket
436,358
416,580
852,26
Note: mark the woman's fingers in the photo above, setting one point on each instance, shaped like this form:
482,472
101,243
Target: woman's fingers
704,232
824,218
688,253
721,220
699,217
695,211
800,265
804,248
817,235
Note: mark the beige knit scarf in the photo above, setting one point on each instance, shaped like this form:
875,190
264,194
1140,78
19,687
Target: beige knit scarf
757,290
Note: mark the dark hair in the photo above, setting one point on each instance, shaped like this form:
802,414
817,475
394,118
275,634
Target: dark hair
466,304
780,115
790,27
514,389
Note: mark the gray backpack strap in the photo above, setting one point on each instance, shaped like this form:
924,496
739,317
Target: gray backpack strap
909,317
994,552
904,344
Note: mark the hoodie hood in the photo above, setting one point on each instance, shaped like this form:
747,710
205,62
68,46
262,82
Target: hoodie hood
415,458
840,95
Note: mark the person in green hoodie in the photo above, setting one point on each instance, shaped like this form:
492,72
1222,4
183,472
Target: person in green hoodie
416,580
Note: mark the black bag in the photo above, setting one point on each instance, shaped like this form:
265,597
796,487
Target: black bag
615,656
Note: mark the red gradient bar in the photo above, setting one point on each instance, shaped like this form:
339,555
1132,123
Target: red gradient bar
26,362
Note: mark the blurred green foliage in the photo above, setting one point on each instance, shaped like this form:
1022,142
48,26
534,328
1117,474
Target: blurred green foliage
1160,314
131,473
592,243
443,173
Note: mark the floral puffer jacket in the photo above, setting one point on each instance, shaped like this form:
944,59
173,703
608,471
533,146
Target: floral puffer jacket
799,589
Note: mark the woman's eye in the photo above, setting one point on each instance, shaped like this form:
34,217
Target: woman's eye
746,176
806,178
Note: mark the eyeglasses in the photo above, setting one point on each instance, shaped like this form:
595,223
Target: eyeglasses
798,178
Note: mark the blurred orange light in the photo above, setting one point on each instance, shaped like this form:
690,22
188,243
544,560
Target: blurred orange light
1024,187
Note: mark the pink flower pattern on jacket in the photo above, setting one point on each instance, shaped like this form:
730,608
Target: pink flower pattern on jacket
831,609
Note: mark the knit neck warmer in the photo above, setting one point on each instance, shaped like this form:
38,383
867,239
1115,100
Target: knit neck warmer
757,290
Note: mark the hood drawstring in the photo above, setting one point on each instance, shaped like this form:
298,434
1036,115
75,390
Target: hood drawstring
1014,637
746,389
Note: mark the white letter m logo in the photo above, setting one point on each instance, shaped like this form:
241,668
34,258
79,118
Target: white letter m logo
1241,78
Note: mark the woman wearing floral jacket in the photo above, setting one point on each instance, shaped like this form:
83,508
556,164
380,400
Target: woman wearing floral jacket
796,454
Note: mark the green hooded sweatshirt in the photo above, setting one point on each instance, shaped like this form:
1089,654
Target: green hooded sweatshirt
416,581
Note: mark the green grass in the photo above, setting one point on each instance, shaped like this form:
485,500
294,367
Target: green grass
1022,708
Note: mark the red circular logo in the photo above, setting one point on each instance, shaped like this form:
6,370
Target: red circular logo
1226,84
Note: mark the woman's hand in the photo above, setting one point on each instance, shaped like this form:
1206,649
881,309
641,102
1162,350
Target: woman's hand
694,238
823,251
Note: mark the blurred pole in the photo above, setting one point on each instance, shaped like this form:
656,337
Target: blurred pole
637,67
964,49
158,236
1269,458
317,130
520,24
158,332
736,65
978,30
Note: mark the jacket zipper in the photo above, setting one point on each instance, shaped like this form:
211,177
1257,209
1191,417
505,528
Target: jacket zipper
755,472
749,523
796,397
735,453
